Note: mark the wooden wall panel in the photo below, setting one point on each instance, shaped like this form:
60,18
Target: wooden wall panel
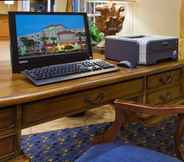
4,28
4,7
4,31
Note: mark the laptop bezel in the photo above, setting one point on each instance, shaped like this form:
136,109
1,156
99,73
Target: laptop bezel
18,66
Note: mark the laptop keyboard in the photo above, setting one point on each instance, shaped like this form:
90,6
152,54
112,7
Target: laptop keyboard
68,71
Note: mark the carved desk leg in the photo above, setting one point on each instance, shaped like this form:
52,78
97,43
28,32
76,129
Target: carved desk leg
20,157
113,131
179,135
10,132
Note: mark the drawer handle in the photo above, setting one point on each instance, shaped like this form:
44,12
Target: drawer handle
9,127
166,80
165,97
96,101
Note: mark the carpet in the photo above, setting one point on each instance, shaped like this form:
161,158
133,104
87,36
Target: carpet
68,144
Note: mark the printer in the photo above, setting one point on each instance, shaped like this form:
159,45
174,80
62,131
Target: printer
141,49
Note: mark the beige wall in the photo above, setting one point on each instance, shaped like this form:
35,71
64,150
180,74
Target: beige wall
60,5
150,16
182,31
157,17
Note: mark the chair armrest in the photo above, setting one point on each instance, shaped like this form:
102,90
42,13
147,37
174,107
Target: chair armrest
111,134
153,110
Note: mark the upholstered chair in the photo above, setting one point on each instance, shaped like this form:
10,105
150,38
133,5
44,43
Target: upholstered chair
105,150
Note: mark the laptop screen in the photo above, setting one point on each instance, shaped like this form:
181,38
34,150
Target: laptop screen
50,38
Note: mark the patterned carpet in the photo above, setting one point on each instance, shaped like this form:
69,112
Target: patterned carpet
68,144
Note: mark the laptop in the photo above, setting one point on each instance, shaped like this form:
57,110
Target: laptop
53,47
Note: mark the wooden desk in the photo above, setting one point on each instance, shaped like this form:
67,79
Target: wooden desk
23,105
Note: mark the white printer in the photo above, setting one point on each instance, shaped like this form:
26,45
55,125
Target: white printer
141,49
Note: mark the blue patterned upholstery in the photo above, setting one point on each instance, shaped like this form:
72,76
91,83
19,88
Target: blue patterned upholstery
116,152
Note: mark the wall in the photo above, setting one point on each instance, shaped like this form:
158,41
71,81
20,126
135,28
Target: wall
4,8
182,31
157,17
60,5
150,17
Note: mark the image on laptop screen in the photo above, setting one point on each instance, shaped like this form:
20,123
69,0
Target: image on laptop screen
48,35
42,39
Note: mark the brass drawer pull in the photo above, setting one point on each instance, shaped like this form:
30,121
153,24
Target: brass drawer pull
9,127
165,97
166,80
96,101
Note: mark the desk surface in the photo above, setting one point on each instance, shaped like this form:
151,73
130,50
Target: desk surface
31,105
15,89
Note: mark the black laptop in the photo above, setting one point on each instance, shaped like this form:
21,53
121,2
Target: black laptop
52,47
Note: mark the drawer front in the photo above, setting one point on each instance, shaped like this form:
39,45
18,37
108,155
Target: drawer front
49,109
162,79
7,118
135,99
164,96
7,146
182,80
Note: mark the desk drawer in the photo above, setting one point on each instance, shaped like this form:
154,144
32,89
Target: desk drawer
163,79
49,109
164,96
7,118
7,146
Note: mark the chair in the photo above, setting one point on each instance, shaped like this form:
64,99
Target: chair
105,150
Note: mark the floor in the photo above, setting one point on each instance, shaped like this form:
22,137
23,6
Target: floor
94,116
98,115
